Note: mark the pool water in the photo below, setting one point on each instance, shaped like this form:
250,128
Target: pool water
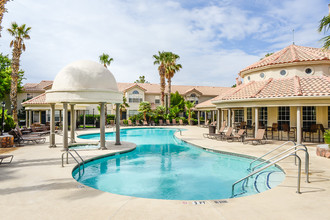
163,167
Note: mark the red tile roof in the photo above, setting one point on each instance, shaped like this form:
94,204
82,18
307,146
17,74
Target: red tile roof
308,86
40,99
291,54
37,87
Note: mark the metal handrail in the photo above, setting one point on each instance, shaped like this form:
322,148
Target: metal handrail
178,129
67,159
270,152
270,164
277,155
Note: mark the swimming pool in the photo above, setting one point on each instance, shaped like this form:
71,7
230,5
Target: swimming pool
164,167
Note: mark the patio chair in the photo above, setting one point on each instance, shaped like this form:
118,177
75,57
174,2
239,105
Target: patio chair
121,122
206,124
37,131
2,157
137,123
129,122
173,121
238,136
27,138
168,122
180,122
145,123
161,122
112,123
259,137
273,129
219,134
286,129
225,135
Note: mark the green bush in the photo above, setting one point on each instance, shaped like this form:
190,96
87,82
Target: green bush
9,121
327,137
89,118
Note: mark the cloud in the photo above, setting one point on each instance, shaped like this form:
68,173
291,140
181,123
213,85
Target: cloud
131,31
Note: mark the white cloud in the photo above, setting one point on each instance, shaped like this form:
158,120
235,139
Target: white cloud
131,31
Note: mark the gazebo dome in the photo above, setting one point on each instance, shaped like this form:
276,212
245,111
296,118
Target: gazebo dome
84,82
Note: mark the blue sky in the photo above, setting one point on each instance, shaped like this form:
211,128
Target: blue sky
215,39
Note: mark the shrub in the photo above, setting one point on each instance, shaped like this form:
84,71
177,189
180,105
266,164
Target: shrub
9,121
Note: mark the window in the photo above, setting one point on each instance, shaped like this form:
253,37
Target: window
135,97
309,117
135,92
193,98
283,116
238,115
193,95
135,100
263,116
262,75
157,100
309,70
29,96
249,78
283,72
249,117
132,112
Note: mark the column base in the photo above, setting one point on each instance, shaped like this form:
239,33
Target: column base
118,143
103,148
52,146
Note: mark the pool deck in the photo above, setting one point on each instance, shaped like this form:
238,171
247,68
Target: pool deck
35,186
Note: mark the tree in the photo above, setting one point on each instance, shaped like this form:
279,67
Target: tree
324,26
267,55
19,33
105,59
189,106
5,76
160,111
2,11
171,68
177,100
141,80
160,60
123,106
145,108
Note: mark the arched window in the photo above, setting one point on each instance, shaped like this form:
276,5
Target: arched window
193,95
135,92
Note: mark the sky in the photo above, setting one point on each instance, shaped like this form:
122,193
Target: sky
214,39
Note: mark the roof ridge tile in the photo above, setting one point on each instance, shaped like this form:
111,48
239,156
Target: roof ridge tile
262,87
297,86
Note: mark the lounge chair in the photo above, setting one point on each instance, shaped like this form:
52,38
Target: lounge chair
228,134
173,121
112,123
161,122
239,135
215,135
121,122
145,123
259,137
2,157
129,122
137,123
206,124
28,138
36,131
168,122
181,122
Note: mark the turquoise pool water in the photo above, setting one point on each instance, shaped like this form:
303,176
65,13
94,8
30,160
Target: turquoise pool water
163,167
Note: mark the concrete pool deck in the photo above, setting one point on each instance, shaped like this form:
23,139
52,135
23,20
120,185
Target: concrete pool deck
35,186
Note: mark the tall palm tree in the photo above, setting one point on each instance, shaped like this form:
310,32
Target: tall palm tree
123,106
171,68
2,11
324,26
144,107
19,33
160,60
105,59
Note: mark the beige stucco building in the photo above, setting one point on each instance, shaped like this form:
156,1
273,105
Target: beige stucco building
288,91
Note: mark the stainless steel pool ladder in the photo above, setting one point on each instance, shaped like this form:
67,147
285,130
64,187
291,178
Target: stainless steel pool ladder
292,153
79,163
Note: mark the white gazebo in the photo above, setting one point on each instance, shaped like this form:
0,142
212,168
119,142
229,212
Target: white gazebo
83,82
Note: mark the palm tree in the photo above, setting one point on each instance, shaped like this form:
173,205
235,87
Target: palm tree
189,105
19,33
324,26
144,107
160,60
123,106
2,11
171,68
105,59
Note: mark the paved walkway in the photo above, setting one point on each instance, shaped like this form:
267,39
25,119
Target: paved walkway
35,186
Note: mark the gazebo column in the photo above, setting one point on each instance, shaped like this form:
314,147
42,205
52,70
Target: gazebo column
256,121
60,118
72,123
52,126
30,117
84,113
222,118
299,130
40,117
65,126
117,124
218,119
205,116
26,118
198,118
213,116
102,126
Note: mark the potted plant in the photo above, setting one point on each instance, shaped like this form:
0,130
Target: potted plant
327,137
